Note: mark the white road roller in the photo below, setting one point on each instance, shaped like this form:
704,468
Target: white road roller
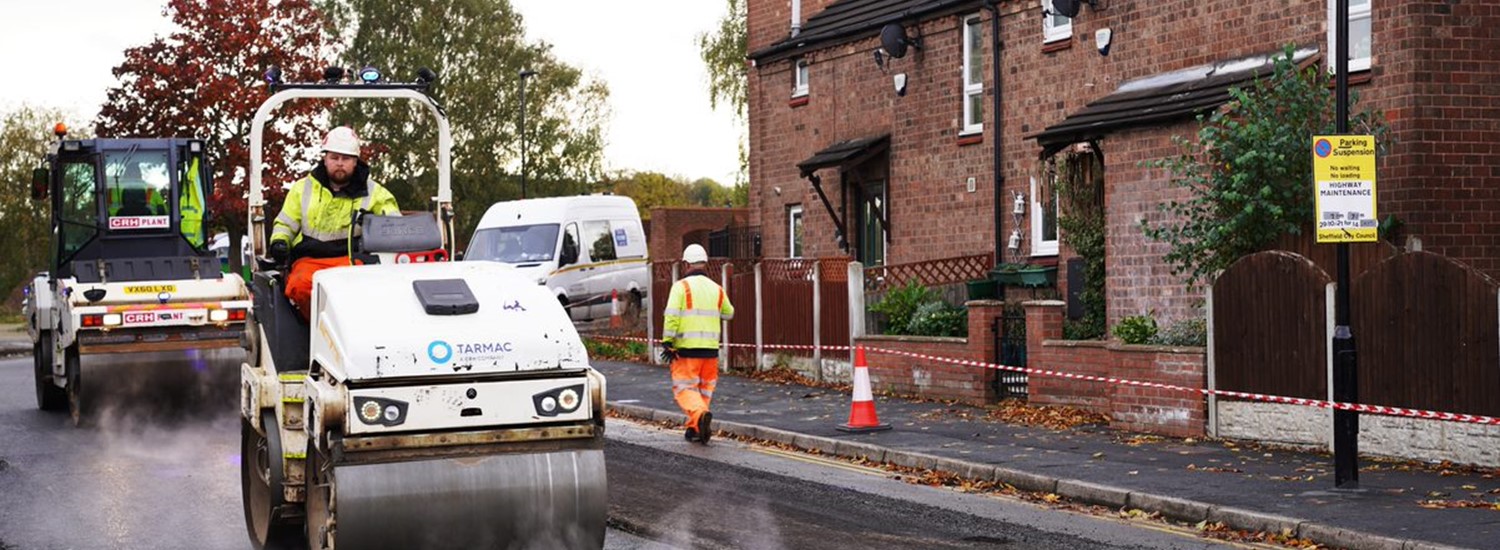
425,403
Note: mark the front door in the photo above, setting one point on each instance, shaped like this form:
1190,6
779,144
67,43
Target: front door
872,237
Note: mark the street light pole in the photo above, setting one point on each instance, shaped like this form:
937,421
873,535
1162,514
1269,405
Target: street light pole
525,74
1345,363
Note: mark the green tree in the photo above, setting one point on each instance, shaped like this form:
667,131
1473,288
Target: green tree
478,49
649,190
25,134
723,51
707,192
1249,174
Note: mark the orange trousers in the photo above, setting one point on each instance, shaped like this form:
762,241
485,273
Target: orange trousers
299,281
693,381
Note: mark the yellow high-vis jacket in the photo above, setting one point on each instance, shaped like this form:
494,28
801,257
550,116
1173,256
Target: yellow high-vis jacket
695,307
315,221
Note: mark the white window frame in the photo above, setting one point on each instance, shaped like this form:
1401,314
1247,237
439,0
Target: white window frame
1052,30
976,87
800,75
1356,13
794,219
1040,247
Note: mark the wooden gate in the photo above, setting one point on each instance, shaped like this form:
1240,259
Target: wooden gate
1425,328
1270,326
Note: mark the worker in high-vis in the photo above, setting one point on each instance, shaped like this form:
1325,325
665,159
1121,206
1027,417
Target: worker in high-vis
696,306
312,231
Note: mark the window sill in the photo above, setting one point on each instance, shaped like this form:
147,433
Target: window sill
798,101
1362,76
1058,45
971,139
1045,259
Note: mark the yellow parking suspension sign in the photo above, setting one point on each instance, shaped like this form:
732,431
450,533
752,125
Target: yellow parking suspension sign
1344,175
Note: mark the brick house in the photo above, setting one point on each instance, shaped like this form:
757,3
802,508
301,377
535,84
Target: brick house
860,149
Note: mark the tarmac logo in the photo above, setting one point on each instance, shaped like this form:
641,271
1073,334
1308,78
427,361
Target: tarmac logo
439,352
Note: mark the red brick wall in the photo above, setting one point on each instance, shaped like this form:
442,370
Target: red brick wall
1134,408
1433,76
936,379
669,227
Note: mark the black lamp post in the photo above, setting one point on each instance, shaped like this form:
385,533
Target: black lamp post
525,73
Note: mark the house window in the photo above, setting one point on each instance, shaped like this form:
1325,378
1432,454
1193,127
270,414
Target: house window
794,231
973,75
1044,216
1359,34
799,79
1055,27
872,237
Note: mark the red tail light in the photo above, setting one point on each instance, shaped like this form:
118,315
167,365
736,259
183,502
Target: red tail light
94,320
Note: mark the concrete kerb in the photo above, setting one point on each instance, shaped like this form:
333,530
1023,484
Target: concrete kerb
14,349
1081,491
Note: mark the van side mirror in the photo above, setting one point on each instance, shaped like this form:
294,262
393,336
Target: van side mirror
39,180
458,256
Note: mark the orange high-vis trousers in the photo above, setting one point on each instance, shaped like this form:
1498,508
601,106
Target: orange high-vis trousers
299,281
693,381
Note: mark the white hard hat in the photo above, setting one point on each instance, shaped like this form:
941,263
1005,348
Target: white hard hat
342,140
694,254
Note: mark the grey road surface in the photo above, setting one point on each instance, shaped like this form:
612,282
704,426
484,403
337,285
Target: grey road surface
729,495
157,468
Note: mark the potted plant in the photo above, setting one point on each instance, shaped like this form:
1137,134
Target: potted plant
1007,273
1037,275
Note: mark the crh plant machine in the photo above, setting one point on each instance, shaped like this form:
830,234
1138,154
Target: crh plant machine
422,403
129,271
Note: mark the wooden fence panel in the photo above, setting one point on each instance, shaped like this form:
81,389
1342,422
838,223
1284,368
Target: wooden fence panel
1270,326
833,291
1425,327
788,303
742,328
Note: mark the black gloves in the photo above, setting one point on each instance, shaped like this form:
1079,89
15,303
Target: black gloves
668,354
280,251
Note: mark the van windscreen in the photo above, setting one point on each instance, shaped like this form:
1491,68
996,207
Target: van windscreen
514,245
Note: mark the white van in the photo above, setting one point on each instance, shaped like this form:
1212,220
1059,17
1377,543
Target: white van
542,237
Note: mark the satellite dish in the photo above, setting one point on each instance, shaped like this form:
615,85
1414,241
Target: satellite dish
894,40
1067,8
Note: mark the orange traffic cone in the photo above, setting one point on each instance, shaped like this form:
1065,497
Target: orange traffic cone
614,309
862,414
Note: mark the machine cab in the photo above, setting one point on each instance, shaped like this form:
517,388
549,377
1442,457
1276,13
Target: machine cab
128,209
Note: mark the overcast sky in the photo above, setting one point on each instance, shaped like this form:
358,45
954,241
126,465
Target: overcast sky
58,53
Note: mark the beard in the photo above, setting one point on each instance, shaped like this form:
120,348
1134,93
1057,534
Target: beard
339,176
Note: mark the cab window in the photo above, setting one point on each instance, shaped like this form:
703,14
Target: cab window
77,206
569,253
138,187
193,202
600,239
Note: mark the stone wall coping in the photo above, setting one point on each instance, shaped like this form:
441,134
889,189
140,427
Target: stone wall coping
1114,345
984,303
1044,303
914,339
1076,343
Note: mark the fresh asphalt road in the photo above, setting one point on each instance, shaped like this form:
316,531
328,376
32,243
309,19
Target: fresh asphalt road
158,468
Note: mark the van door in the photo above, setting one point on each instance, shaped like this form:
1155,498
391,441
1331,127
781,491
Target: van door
598,280
569,276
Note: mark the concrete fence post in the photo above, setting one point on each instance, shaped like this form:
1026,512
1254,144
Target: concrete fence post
724,354
760,320
1213,384
817,319
856,305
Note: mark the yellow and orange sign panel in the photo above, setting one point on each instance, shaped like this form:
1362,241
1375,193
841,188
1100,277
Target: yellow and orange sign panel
1344,177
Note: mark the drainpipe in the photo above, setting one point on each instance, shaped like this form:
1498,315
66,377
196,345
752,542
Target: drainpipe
1000,241
796,17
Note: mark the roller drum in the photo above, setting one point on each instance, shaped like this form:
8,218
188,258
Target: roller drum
542,500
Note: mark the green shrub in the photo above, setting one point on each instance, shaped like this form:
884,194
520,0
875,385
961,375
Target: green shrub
901,303
1192,332
1136,329
939,318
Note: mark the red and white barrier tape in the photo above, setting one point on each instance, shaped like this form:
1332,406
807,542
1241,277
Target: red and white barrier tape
1357,407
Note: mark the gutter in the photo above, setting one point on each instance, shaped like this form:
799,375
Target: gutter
999,168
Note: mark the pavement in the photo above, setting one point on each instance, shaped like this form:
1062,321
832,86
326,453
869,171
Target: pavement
1399,506
14,340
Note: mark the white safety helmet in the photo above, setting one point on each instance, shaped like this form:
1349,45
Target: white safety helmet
694,254
342,140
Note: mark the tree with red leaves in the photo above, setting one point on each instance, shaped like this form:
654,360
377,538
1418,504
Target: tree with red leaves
205,80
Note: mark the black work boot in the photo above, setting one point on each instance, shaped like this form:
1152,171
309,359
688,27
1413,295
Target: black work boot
690,435
705,427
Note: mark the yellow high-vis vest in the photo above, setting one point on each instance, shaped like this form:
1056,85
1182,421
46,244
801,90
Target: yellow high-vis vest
311,210
695,307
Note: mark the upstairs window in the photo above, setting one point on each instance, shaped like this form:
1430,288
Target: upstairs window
794,231
973,75
1055,28
1360,35
799,79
